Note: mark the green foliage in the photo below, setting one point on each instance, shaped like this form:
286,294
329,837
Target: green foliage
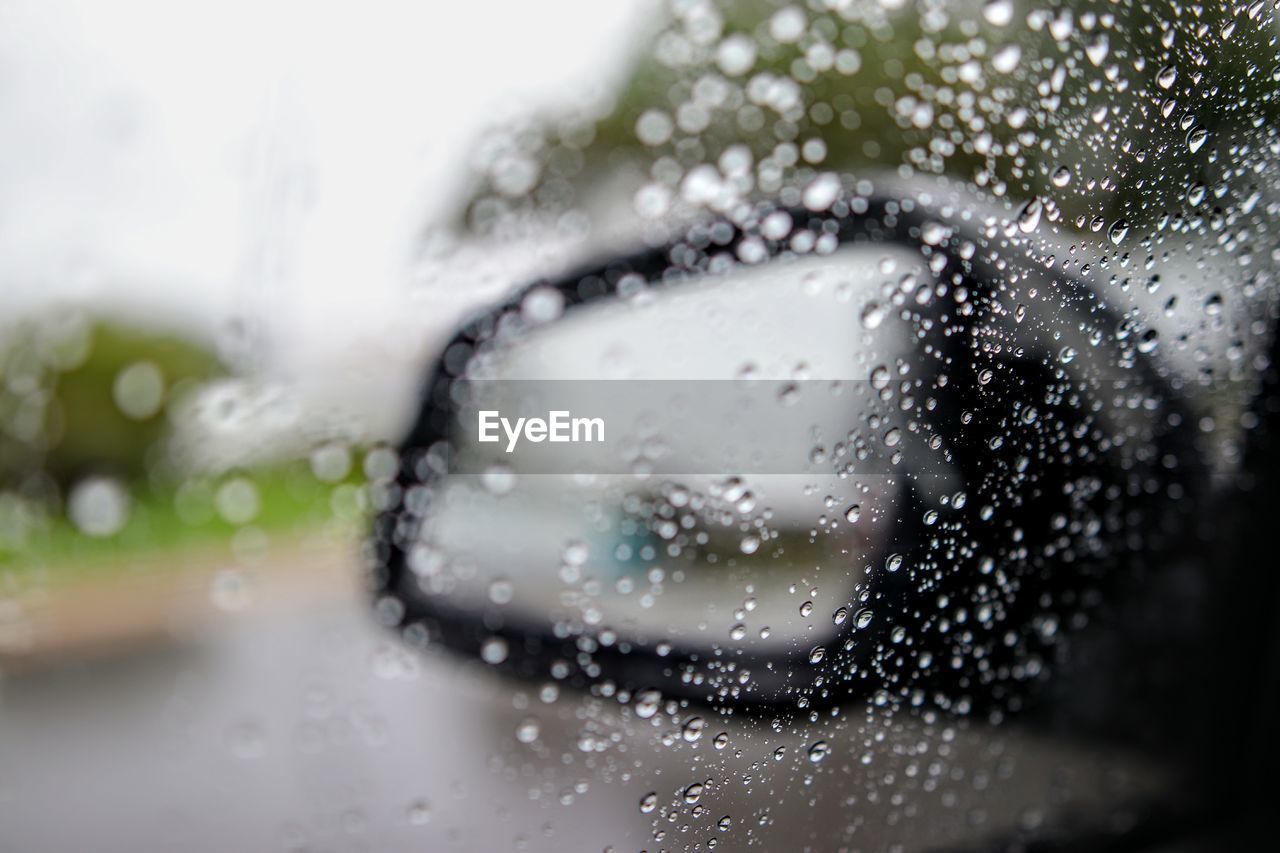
1087,101
60,401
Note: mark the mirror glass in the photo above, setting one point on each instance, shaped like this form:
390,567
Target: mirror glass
715,463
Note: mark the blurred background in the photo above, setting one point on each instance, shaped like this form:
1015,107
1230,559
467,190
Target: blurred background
231,236
214,297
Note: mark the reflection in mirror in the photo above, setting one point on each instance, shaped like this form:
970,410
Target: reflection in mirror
748,477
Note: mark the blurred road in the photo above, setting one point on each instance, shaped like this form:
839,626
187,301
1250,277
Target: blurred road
280,716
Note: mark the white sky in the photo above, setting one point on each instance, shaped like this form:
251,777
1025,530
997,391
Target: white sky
275,157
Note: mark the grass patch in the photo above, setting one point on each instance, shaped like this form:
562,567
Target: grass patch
197,514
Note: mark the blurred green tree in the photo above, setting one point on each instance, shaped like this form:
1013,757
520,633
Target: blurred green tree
83,396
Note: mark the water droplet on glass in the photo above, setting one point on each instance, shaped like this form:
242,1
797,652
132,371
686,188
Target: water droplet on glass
693,793
647,702
818,751
500,591
1097,49
816,654
998,12
494,650
98,506
1118,230
1006,59
654,127
138,390
880,377
1196,138
693,729
528,730
1029,217
648,802
542,305
821,192
498,479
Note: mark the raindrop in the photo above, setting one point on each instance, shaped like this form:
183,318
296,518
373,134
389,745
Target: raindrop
818,751
1061,176
933,233
1029,217
692,730
893,562
498,479
873,315
501,591
880,377
139,390
528,730
693,793
736,54
575,553
494,650
1167,75
654,127
787,25
648,802
863,618
1062,26
998,12
1097,49
647,702
816,654
840,615
542,305
98,506
1118,230
1006,59
852,514
806,609
1196,138
821,192
237,501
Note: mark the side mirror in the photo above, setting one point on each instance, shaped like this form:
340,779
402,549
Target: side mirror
874,450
